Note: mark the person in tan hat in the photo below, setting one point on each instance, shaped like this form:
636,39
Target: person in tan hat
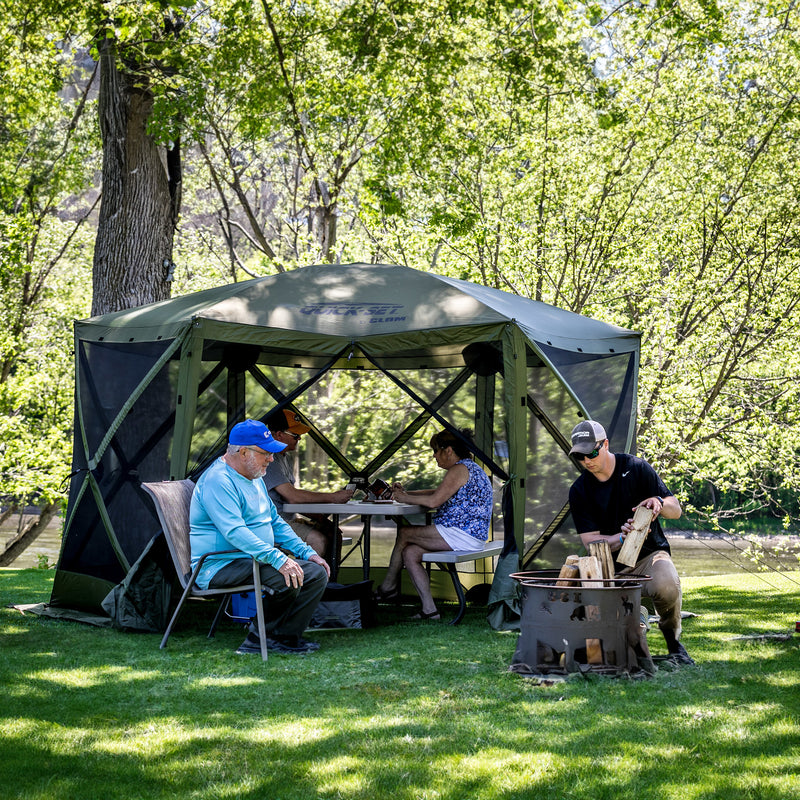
287,426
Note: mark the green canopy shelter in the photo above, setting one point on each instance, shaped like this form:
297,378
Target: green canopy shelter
158,387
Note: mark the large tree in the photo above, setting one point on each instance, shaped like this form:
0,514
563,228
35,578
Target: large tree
138,51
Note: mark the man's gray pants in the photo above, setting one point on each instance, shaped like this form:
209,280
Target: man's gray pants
289,610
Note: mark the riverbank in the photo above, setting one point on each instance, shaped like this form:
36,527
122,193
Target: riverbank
699,553
695,552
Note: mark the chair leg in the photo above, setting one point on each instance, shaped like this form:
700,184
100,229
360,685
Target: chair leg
218,616
175,615
262,628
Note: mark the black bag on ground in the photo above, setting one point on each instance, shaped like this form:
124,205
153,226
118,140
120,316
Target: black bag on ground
348,606
141,601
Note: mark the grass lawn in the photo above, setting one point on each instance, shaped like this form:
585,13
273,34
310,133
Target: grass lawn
406,710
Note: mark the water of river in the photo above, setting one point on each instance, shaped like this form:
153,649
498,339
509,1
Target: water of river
694,554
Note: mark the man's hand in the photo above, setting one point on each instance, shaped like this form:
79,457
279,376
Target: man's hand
655,504
292,573
342,496
322,562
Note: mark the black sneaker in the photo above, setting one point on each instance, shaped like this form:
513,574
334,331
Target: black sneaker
252,644
291,644
679,655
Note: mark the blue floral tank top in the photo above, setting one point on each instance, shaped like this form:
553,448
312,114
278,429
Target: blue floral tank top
470,508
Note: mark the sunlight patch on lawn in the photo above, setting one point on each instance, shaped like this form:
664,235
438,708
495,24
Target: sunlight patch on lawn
89,678
220,681
505,769
779,680
290,732
342,776
10,629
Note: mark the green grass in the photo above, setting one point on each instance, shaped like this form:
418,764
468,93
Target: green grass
406,710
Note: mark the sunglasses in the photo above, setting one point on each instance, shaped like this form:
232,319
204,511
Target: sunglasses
257,451
295,436
593,454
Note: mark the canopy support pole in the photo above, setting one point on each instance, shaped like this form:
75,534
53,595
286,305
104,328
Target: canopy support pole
186,402
516,402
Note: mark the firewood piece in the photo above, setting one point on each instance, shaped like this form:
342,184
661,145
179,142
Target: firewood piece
591,572
629,552
594,651
569,570
602,552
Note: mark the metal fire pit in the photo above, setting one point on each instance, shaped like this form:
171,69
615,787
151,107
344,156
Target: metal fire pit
580,628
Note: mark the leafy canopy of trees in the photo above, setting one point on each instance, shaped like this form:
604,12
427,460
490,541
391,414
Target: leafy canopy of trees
634,162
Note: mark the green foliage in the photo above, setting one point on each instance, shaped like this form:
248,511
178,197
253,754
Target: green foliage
36,398
45,161
43,563
636,163
656,194
331,98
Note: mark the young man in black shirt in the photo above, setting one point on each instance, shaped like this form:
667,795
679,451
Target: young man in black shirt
603,500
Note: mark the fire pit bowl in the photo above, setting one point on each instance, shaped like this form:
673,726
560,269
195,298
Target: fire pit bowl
579,625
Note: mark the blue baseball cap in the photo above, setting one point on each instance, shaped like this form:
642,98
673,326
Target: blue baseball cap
252,433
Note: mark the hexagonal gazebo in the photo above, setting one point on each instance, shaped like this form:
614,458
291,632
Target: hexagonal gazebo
158,387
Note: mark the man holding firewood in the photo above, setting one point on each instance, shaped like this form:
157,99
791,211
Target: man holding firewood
603,500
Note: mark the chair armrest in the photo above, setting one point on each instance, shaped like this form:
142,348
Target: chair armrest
193,576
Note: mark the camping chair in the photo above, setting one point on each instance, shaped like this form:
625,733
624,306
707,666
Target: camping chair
172,499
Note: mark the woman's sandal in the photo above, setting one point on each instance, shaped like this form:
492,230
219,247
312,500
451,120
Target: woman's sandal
392,596
434,615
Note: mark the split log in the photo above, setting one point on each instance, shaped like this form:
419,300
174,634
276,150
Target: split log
602,552
594,651
569,571
591,572
629,552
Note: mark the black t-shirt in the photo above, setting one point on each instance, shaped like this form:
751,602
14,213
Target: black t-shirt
605,505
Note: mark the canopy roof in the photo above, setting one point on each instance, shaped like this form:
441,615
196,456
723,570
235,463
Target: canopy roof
354,301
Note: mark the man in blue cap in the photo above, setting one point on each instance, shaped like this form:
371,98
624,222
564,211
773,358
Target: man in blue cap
231,509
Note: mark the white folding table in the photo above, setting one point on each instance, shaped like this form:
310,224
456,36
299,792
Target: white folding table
366,511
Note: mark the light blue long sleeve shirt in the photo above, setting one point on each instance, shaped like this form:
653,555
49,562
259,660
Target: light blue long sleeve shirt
231,511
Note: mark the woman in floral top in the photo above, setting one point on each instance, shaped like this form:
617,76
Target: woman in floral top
464,503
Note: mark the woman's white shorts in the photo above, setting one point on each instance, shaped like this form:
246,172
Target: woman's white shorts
458,539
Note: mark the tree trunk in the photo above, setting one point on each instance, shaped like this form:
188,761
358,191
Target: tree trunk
323,217
28,535
141,197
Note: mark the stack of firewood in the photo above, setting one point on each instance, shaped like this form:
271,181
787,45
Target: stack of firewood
597,568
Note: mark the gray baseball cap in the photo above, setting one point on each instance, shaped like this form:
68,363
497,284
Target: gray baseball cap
585,436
